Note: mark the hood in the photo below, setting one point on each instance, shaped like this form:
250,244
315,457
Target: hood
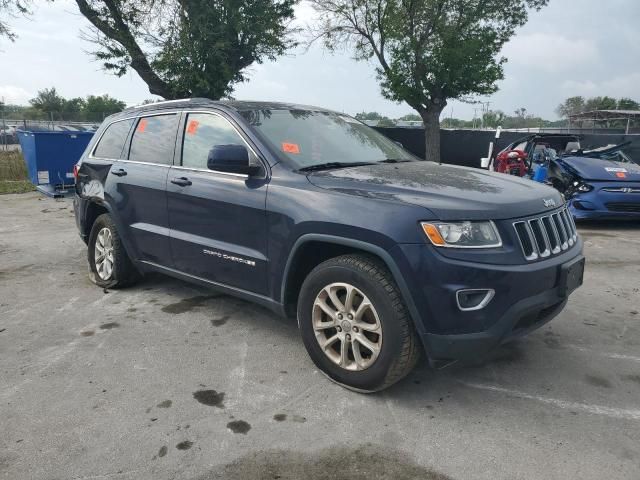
607,170
450,192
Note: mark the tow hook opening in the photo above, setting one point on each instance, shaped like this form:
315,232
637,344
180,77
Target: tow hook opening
474,298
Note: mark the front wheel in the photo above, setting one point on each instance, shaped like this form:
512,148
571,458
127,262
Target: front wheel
355,325
109,264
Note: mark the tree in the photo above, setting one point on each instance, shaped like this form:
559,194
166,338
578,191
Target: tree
493,118
362,116
188,48
11,8
381,120
571,106
411,117
427,51
600,103
48,101
50,105
628,104
101,106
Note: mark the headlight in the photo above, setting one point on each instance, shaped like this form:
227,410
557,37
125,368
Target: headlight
462,234
585,187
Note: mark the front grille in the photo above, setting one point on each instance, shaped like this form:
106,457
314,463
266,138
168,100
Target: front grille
546,235
624,207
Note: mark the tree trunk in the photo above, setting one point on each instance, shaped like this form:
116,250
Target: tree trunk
431,120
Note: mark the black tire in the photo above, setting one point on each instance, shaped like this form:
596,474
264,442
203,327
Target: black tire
400,349
123,272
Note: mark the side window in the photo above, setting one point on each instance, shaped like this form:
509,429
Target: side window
154,139
112,141
202,132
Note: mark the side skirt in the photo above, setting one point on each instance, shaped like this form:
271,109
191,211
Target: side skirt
266,302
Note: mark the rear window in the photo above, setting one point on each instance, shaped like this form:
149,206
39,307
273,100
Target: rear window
154,139
112,141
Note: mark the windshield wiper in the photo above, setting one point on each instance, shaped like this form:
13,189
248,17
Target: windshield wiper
394,160
330,165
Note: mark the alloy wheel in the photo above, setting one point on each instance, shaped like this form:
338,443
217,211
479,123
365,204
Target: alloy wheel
347,326
103,256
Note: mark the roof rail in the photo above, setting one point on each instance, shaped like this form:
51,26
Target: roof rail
165,102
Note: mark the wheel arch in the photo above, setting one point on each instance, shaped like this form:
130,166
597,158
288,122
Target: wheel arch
92,212
297,268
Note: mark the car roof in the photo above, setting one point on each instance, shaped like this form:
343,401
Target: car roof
237,105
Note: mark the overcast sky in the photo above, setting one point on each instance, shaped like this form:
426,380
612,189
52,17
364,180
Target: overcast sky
571,47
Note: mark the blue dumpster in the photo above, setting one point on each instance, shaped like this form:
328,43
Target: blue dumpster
50,157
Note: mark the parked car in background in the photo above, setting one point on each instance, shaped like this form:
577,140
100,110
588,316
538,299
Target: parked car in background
309,212
8,134
597,183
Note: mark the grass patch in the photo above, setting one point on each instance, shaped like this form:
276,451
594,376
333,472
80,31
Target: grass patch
13,173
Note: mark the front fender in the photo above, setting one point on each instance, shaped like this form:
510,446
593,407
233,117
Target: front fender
376,250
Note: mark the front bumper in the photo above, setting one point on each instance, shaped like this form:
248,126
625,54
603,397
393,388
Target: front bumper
526,297
603,204
520,319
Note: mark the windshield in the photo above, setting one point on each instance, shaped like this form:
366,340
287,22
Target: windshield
617,156
311,138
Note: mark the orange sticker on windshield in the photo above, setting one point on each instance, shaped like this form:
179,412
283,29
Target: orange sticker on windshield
621,175
192,127
142,125
290,148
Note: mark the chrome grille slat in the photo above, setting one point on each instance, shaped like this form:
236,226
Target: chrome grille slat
561,230
542,242
565,218
546,235
554,237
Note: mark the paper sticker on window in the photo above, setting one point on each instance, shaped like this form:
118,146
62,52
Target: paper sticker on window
192,128
142,125
290,148
615,169
621,175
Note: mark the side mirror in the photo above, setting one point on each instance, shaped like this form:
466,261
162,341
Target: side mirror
231,159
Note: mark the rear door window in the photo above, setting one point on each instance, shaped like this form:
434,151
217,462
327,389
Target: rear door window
202,132
154,139
113,139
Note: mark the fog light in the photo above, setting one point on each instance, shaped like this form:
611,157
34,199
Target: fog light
474,299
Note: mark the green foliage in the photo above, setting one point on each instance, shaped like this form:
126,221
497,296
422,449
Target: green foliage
98,107
375,116
49,105
628,104
600,103
575,105
13,173
411,117
11,8
427,51
188,48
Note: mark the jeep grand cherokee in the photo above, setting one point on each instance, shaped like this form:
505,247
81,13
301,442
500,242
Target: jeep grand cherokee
381,256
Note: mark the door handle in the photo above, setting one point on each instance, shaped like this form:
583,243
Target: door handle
121,172
181,181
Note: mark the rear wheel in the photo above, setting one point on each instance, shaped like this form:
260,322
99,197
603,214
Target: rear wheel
355,325
109,264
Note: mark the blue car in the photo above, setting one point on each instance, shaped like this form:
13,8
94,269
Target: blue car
601,183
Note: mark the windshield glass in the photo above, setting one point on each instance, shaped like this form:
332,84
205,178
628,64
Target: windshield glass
617,156
310,138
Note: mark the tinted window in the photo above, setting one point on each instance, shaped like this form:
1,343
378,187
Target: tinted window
201,133
112,142
309,138
154,139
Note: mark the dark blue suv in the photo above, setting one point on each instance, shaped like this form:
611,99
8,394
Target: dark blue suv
381,256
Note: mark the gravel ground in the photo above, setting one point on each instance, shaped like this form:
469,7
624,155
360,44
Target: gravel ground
166,380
